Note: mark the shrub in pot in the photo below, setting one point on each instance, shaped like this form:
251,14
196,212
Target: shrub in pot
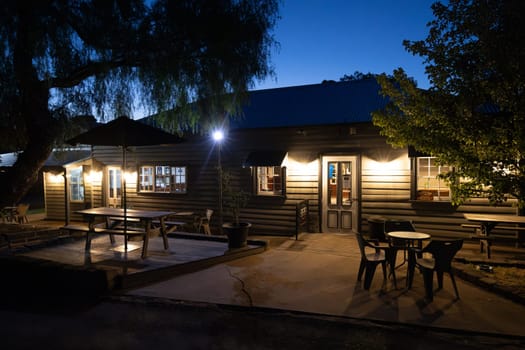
233,200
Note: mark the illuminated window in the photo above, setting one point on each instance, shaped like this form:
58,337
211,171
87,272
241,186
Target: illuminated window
162,179
270,180
429,185
76,185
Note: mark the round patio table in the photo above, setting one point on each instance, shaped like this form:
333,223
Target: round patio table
410,238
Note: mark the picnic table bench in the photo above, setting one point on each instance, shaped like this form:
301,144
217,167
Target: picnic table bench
485,224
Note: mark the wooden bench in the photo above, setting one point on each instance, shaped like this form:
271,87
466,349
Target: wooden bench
85,228
474,226
101,230
486,241
170,224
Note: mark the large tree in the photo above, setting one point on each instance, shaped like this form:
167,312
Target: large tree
473,115
63,58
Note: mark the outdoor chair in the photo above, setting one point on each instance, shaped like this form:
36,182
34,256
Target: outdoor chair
395,243
203,222
440,260
370,258
20,214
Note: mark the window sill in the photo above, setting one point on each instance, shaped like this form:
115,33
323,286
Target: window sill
281,196
161,193
431,204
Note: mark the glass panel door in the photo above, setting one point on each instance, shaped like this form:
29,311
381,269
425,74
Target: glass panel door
114,194
339,194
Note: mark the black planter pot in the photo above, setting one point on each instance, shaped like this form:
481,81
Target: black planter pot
237,234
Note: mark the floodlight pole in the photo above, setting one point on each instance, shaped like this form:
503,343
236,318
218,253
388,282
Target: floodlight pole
220,186
217,137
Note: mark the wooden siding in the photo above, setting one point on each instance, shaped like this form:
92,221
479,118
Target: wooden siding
385,179
54,196
386,193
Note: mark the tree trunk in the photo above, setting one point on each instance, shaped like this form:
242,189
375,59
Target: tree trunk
41,128
42,131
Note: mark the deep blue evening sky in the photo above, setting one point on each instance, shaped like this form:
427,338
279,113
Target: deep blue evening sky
326,39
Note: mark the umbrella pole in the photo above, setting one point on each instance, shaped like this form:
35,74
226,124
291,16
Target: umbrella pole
124,198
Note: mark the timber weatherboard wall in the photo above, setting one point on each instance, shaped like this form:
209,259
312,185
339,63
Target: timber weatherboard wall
385,179
54,196
268,214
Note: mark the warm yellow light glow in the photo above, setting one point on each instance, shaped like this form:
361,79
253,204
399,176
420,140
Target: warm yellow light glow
295,167
130,176
55,179
94,177
385,167
305,168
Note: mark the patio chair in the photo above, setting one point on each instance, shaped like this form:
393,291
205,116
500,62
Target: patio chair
203,222
20,214
442,253
370,260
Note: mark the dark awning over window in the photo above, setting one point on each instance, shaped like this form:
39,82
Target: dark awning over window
265,158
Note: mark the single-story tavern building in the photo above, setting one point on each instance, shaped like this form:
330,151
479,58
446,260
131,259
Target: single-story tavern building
54,164
312,144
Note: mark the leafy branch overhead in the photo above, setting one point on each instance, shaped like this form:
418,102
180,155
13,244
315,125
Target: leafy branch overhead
473,116
108,58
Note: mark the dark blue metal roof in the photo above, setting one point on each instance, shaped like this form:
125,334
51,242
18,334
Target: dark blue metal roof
325,103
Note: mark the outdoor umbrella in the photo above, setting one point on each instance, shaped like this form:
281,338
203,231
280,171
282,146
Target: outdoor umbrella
124,132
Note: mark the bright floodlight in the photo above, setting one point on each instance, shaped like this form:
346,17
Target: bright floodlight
218,135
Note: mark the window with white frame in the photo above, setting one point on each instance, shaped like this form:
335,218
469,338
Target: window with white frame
76,185
162,179
270,180
429,185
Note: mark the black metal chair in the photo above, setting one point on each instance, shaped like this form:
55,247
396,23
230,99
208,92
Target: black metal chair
370,260
442,253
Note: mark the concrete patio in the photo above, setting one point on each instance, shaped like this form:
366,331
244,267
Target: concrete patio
314,276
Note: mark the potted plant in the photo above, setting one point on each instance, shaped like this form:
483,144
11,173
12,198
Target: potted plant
233,200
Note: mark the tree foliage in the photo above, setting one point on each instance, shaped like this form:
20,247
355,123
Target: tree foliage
62,58
473,116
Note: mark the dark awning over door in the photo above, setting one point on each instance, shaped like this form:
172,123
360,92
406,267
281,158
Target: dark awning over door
265,158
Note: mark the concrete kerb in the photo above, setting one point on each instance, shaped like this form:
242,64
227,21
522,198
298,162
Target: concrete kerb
25,276
142,278
464,271
296,323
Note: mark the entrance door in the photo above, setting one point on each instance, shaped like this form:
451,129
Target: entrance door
340,192
114,193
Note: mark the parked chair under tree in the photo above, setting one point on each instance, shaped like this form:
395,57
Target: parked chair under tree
370,260
20,214
442,253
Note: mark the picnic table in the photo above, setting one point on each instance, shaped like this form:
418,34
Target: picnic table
120,220
486,223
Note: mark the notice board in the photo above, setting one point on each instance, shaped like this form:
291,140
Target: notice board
301,217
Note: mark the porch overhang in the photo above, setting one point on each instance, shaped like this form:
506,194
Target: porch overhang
266,158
